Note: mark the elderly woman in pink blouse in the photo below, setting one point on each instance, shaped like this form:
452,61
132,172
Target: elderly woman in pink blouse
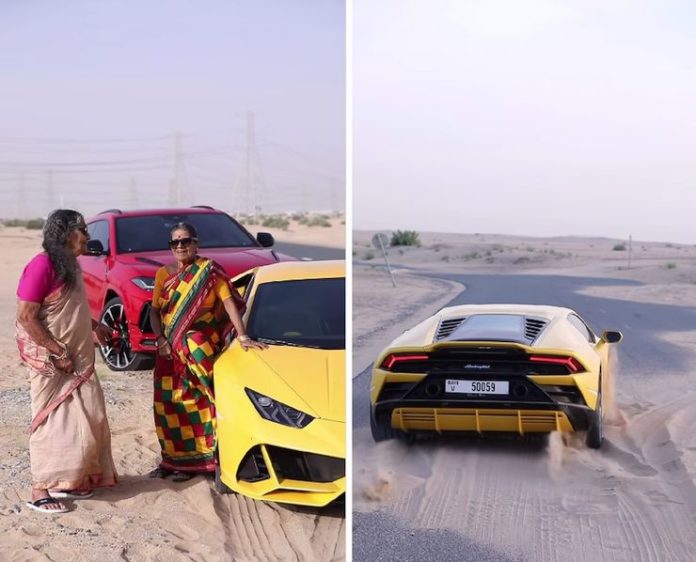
70,442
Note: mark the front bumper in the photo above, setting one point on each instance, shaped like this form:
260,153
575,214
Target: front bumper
284,475
268,461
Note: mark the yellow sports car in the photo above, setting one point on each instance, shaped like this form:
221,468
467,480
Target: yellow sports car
281,412
520,369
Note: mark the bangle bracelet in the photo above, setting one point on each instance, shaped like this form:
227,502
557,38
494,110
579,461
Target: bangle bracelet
60,357
244,337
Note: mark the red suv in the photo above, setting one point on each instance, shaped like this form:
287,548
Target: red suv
125,250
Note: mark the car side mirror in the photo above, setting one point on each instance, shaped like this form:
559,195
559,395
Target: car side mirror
265,239
95,248
612,337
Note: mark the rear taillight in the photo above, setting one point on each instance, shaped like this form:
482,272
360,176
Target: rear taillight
392,360
573,365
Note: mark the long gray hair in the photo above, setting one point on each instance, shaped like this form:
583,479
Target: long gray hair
58,226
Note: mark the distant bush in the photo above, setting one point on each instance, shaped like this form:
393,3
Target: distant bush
619,247
319,220
369,256
31,224
405,238
35,224
248,219
276,221
671,265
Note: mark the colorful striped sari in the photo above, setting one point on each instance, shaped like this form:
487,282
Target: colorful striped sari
184,401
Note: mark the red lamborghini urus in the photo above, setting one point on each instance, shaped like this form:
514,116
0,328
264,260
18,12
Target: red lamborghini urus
125,250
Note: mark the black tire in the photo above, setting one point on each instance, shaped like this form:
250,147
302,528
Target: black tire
119,356
220,486
595,432
381,428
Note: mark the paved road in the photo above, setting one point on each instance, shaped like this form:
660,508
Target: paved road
642,355
302,251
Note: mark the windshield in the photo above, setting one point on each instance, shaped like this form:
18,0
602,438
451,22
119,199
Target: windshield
305,313
150,233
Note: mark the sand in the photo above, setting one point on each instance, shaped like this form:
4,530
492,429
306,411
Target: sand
635,499
140,518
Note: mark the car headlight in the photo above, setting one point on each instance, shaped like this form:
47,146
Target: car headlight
278,412
147,283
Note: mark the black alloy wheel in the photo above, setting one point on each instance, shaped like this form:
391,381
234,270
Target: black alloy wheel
118,355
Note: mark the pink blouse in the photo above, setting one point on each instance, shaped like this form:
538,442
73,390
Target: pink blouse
38,279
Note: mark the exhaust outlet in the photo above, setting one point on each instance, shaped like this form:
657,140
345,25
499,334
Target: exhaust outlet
433,389
520,391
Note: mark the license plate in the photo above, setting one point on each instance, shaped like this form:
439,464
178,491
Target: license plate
476,387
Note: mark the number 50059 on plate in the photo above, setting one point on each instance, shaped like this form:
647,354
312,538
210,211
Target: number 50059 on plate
476,387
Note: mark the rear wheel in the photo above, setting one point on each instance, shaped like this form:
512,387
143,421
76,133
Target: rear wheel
380,426
118,355
595,433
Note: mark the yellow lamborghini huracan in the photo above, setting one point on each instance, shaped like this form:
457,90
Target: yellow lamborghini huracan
519,369
281,412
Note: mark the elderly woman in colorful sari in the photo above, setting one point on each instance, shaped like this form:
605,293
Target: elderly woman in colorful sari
194,309
70,441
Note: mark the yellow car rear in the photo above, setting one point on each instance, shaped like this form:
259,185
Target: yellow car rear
543,372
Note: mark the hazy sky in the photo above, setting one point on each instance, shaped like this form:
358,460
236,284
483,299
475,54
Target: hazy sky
92,94
539,117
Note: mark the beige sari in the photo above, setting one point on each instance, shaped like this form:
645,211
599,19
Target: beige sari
70,442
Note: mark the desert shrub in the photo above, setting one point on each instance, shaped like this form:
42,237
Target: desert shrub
405,238
248,219
671,265
369,256
35,224
319,220
31,224
619,247
275,221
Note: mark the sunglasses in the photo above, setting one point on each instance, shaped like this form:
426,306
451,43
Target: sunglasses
183,242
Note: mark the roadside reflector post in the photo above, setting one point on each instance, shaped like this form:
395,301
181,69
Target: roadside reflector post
380,241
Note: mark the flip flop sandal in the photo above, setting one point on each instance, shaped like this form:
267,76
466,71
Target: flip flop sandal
179,476
159,473
71,494
38,505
